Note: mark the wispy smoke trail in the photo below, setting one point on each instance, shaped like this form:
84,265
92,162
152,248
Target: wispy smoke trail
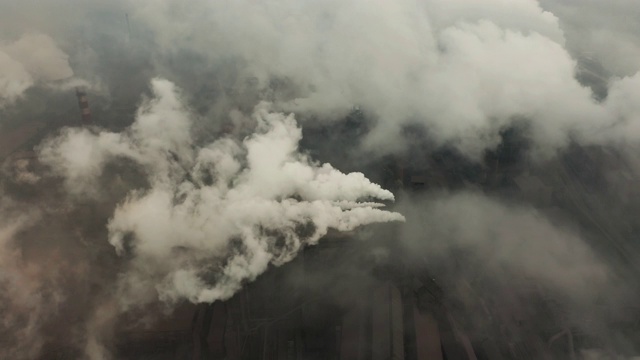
506,238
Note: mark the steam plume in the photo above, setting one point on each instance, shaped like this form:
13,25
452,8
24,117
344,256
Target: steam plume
32,58
454,67
217,215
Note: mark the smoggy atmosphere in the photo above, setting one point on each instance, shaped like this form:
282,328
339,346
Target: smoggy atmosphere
319,180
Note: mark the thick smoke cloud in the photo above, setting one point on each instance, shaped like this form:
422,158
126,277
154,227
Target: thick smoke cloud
603,31
405,62
213,216
189,220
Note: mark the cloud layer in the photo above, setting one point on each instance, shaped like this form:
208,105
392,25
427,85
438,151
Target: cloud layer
195,214
461,69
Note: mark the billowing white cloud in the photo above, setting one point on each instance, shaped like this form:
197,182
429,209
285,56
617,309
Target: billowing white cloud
463,69
14,78
40,56
605,31
32,58
218,215
625,111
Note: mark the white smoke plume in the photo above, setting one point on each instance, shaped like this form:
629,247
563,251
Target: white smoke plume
32,58
217,215
463,70
603,31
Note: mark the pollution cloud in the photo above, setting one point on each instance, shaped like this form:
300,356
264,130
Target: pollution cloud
188,219
194,214
226,210
30,59
403,62
406,62
475,242
507,237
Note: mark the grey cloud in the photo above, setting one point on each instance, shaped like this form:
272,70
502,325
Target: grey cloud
405,62
606,31
30,59
516,237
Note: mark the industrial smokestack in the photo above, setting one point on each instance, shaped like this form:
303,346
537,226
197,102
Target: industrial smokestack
83,104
